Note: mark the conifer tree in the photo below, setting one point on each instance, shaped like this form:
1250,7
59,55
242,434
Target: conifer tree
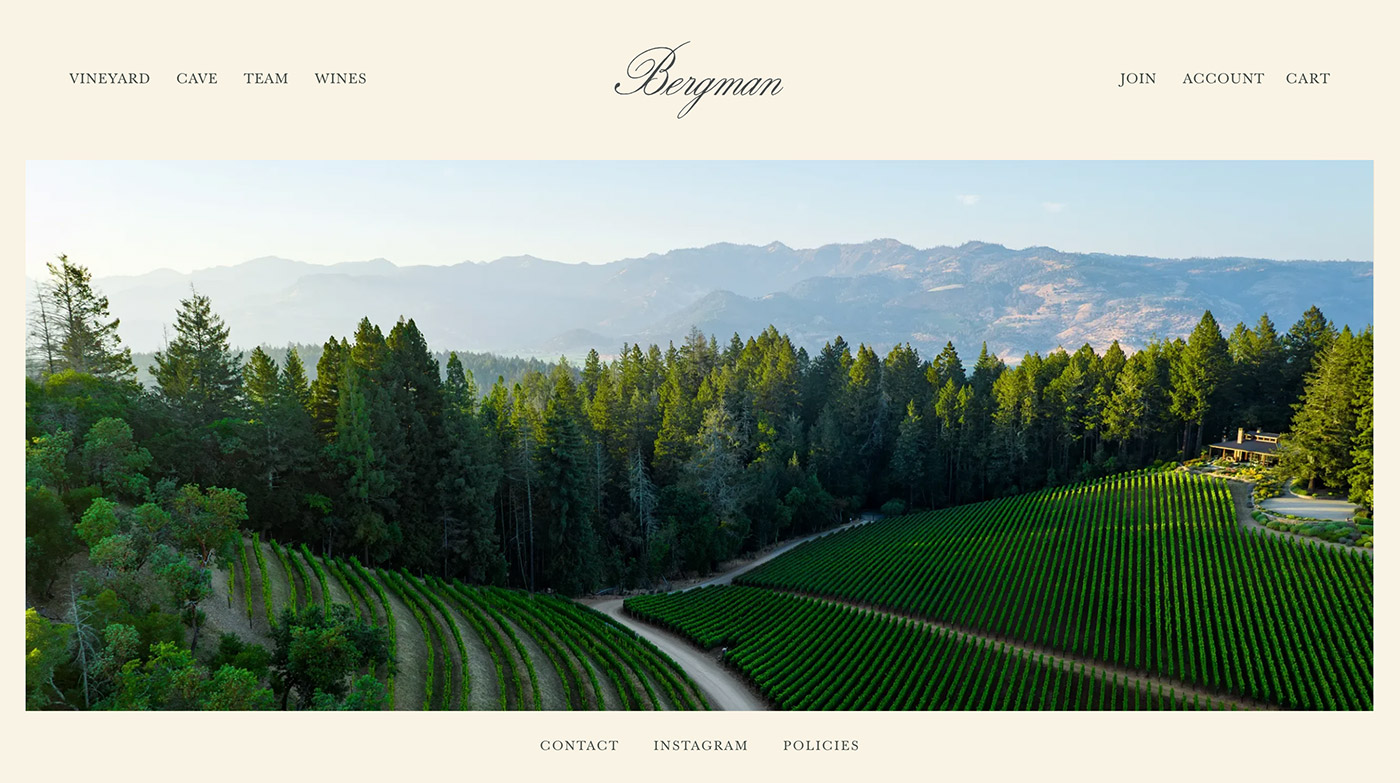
293,382
361,464
1304,342
74,330
325,390
1361,479
571,554
1196,378
469,478
413,388
1320,443
197,374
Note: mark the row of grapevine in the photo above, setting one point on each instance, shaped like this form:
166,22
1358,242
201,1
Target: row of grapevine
292,602
247,581
534,642
1147,571
807,654
434,669
320,577
265,582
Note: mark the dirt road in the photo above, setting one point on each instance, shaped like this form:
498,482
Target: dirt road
723,688
1311,508
1240,492
728,576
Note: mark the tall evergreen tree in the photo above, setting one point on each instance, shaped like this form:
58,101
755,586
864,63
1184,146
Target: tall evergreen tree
467,485
1362,475
197,374
74,330
293,381
414,388
367,485
261,388
909,463
1304,342
1323,436
571,556
1196,379
325,390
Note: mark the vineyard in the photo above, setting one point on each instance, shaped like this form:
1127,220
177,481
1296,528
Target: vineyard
808,654
460,647
1145,573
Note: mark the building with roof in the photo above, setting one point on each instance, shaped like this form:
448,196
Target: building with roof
1257,446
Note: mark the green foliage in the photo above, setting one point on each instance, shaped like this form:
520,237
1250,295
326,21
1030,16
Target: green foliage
171,679
98,522
77,500
1332,432
115,554
233,688
506,680
72,331
207,522
292,601
366,694
432,636
113,459
189,584
317,651
233,651
45,649
656,463
46,459
864,660
320,577
247,574
50,538
197,374
267,583
1149,571
437,605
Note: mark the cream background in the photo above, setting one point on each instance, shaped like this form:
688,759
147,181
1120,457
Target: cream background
882,80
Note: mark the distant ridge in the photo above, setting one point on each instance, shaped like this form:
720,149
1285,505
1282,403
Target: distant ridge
880,292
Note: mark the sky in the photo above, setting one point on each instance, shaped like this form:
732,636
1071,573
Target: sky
130,217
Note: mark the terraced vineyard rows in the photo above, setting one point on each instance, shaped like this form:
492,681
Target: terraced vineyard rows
1147,571
465,647
808,654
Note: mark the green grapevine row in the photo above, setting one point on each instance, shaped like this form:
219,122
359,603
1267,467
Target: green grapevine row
807,654
266,583
1148,571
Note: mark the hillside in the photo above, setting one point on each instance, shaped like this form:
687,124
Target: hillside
457,647
1142,579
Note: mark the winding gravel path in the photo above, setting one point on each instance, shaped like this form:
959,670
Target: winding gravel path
723,688
1241,492
1315,508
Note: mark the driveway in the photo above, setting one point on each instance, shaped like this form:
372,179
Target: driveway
1313,508
723,688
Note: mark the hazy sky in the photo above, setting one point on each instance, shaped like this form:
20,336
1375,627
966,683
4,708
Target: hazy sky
128,217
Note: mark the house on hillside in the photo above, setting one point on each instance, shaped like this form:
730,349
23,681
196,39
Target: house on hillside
1257,446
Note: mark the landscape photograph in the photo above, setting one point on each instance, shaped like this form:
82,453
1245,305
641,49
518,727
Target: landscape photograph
666,436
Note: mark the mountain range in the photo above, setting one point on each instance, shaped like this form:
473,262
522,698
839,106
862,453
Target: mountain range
880,292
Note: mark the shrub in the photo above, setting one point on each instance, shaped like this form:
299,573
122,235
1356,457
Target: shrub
893,508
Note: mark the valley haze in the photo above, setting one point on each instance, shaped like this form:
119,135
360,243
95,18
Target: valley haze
880,292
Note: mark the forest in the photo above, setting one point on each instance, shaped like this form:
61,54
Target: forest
637,467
